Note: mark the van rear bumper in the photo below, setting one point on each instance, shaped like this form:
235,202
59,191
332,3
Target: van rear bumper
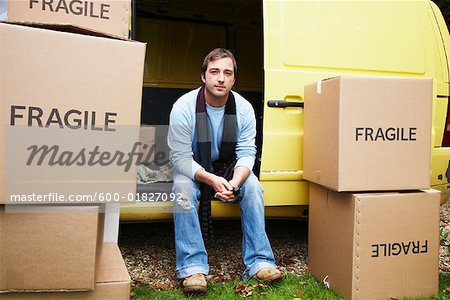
445,191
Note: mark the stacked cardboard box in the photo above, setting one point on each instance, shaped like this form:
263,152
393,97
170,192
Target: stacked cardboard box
112,281
49,247
373,221
69,123
105,17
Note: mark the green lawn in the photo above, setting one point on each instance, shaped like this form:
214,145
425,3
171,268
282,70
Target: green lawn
291,287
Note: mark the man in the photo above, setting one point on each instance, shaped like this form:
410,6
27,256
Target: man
212,141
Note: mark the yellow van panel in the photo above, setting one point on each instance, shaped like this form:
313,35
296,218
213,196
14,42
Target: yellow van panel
356,35
439,121
440,167
278,193
441,30
305,41
163,211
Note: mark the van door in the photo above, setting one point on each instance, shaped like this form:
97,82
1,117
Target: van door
305,41
440,163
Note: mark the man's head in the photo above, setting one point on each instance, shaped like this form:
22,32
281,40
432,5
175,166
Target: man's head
218,75
216,54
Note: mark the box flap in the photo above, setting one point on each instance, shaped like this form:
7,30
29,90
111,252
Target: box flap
111,267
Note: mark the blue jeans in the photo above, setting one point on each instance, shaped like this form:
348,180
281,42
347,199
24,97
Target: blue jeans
190,249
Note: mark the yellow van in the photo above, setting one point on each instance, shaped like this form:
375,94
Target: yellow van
280,46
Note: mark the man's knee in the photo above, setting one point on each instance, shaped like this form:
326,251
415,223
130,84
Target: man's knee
187,190
252,189
252,185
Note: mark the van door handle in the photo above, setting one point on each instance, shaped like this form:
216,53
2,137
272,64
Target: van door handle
283,104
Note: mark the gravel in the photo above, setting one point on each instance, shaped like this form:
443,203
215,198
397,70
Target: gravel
444,259
148,250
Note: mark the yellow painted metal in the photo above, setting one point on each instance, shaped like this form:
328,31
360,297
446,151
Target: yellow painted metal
281,175
445,191
439,121
440,169
163,211
351,35
278,192
440,29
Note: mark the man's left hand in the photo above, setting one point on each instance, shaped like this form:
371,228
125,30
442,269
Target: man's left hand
227,196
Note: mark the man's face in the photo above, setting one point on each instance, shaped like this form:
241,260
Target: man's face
219,77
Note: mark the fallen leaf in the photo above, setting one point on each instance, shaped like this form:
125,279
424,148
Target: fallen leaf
249,288
246,290
239,287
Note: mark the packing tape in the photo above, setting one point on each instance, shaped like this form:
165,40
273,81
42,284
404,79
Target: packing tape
319,87
325,282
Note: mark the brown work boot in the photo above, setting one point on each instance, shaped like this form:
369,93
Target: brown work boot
269,274
194,284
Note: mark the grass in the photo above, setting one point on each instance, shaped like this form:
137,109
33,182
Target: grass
291,287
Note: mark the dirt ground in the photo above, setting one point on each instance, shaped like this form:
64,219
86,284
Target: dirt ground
148,250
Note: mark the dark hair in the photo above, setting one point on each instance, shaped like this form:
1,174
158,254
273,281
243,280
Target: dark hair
216,54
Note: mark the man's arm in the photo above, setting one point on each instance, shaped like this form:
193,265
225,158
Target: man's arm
239,176
180,141
245,147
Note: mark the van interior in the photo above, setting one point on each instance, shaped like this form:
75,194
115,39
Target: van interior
179,34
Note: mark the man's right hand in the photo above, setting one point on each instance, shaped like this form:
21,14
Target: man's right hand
219,184
223,189
226,195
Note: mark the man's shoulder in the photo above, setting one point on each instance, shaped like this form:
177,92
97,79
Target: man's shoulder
242,104
187,100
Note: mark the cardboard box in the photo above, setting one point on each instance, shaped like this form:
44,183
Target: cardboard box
48,248
113,281
109,17
368,133
69,116
147,138
375,245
